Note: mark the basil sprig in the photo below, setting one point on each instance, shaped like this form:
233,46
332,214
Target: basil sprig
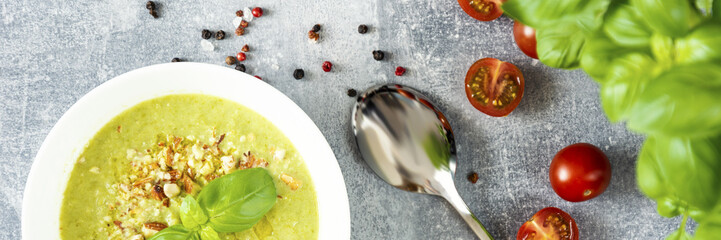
231,203
658,63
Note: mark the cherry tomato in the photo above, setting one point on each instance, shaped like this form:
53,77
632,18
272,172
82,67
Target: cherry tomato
494,87
579,172
525,37
549,224
484,10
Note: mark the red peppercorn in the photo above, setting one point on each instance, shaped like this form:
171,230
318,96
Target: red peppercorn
400,71
240,56
256,76
327,66
257,12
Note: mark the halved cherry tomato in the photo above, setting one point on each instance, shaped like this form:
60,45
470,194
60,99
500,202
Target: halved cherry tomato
549,224
484,10
525,37
494,87
579,172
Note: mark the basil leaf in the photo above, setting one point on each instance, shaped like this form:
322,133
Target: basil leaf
207,233
560,47
684,101
626,28
669,207
235,202
686,168
662,47
175,232
191,214
598,53
670,17
627,77
540,13
711,230
701,45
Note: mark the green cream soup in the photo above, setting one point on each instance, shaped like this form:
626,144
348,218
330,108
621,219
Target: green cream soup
131,178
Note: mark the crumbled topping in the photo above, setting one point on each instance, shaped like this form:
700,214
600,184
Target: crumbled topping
290,181
167,172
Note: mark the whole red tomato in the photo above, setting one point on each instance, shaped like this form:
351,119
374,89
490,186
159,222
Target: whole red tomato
549,224
579,172
525,37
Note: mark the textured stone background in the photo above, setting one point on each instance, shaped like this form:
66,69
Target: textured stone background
53,52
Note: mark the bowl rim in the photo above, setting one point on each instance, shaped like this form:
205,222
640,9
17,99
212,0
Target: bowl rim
48,176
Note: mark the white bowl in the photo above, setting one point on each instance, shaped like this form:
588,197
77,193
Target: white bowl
56,158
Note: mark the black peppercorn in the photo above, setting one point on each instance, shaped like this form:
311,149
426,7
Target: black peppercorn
176,60
229,60
150,5
316,28
352,92
153,13
298,74
378,55
220,35
362,29
206,34
240,67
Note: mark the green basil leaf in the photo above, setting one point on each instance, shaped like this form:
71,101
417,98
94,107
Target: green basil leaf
627,77
207,233
175,232
623,24
669,207
598,53
684,101
235,202
560,47
701,45
191,214
540,13
662,47
709,230
649,175
688,167
670,17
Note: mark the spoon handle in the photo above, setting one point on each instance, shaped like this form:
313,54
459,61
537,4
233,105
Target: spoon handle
455,199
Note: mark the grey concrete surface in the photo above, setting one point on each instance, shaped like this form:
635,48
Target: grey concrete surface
53,52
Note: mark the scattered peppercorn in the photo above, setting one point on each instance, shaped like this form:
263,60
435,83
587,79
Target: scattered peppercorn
229,60
313,35
206,34
240,56
298,74
243,24
400,71
378,55
257,12
256,76
239,13
153,13
473,177
176,60
245,48
240,67
352,92
150,5
327,66
362,29
316,28
239,31
220,35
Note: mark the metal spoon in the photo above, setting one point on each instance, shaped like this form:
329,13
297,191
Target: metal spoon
409,144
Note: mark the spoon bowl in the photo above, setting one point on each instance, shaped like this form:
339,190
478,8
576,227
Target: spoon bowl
409,143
